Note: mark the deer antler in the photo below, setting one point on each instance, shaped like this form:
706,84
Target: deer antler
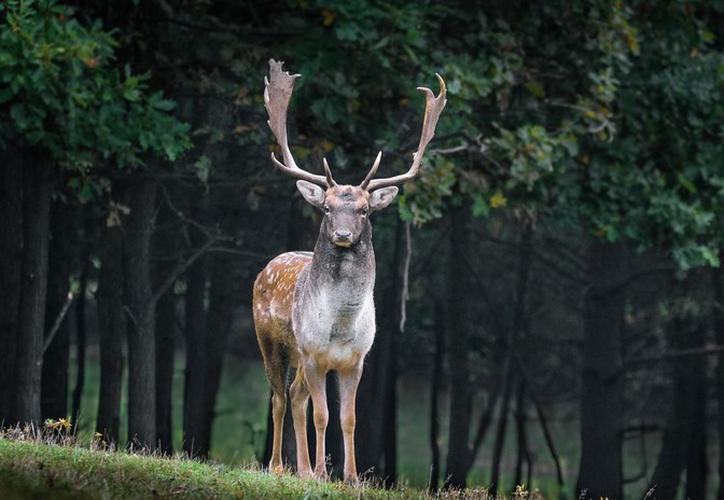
278,90
433,107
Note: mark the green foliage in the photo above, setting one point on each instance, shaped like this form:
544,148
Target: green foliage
63,93
595,113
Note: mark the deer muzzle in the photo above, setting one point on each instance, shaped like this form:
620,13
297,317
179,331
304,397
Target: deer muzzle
342,238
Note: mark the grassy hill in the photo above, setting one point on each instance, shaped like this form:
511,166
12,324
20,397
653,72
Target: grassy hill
36,469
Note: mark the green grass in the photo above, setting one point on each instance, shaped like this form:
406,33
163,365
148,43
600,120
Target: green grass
36,469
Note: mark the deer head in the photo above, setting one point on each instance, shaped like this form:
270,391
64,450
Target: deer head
346,208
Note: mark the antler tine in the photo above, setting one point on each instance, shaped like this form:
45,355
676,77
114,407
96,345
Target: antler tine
328,173
433,107
278,90
372,171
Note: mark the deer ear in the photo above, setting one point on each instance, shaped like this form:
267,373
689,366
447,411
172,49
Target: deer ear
312,193
382,197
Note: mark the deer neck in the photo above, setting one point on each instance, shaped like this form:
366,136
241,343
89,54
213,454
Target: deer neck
346,276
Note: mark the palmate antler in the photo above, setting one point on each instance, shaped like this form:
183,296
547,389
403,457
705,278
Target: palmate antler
433,107
278,90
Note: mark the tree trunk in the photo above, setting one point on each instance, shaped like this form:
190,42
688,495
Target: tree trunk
333,437
516,332
696,457
600,473
437,375
390,430
221,308
54,396
717,279
80,340
112,330
696,467
684,436
11,247
140,310
500,432
523,453
670,464
165,336
166,244
459,333
37,186
195,442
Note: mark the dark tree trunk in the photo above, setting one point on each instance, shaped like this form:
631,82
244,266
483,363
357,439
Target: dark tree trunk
459,333
195,441
437,376
500,432
696,467
333,437
600,473
165,244
683,439
717,278
140,310
221,308
165,335
519,321
37,186
390,429
544,428
523,453
54,397
670,464
112,331
80,339
11,244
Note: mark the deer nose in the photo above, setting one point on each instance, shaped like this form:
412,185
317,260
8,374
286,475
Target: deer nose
343,235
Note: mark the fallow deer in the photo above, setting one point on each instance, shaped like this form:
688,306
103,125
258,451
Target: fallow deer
315,310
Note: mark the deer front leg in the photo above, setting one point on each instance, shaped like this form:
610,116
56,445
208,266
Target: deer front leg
300,399
348,383
316,379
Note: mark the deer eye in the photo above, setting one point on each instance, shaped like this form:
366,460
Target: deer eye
326,210
363,213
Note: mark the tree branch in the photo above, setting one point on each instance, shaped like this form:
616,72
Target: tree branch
697,351
404,292
58,321
181,268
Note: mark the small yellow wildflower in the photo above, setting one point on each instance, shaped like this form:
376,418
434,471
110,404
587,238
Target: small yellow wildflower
498,200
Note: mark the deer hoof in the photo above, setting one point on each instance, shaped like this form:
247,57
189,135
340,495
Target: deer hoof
351,480
306,474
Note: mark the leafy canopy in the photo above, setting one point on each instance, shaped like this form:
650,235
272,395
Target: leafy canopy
62,92
604,115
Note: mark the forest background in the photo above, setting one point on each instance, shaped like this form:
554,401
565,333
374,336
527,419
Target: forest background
549,292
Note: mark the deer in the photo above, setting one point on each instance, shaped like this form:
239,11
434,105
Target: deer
314,311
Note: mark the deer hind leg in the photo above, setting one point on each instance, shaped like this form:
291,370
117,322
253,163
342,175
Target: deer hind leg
276,364
300,399
348,384
316,379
